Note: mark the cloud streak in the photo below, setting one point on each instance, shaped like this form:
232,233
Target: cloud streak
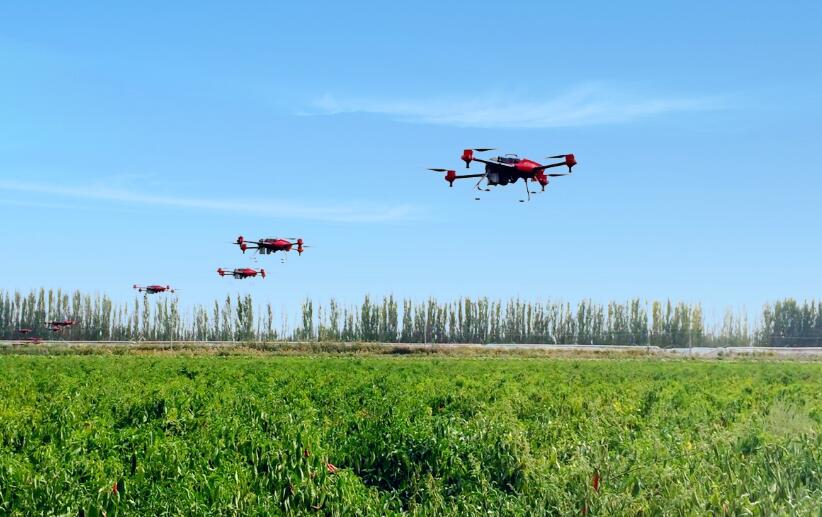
583,106
349,213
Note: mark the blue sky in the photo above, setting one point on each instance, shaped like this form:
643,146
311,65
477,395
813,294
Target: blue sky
136,142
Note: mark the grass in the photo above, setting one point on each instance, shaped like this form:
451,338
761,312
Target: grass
367,434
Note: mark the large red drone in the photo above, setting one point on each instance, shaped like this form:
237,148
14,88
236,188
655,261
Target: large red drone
503,170
241,273
272,245
153,289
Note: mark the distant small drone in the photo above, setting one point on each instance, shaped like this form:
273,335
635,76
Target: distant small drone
271,245
34,340
153,289
241,273
61,323
503,170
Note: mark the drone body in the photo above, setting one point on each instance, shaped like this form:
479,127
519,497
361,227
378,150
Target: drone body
153,289
241,273
270,245
503,170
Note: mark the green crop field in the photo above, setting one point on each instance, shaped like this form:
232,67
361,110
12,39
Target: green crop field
263,435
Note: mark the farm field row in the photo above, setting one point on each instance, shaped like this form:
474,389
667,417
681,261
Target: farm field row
58,347
137,435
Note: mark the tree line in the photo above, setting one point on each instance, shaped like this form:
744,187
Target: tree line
635,322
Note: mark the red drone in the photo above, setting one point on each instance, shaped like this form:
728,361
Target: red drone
241,273
269,246
58,326
153,289
61,324
503,170
24,331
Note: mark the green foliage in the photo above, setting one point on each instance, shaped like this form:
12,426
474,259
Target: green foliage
664,324
160,435
789,322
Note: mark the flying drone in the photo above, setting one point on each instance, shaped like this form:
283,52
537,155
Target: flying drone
241,273
271,245
509,168
153,289
31,341
61,323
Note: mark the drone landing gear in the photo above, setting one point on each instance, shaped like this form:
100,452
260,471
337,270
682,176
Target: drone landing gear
477,186
527,192
479,182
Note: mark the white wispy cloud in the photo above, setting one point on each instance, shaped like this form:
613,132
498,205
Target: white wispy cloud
584,105
288,209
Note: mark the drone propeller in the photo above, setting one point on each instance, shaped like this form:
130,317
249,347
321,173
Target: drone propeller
559,174
438,170
468,154
558,156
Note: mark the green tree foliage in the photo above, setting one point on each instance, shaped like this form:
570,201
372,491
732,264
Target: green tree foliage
660,323
787,323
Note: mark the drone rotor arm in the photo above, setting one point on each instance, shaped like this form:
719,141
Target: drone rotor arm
543,167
